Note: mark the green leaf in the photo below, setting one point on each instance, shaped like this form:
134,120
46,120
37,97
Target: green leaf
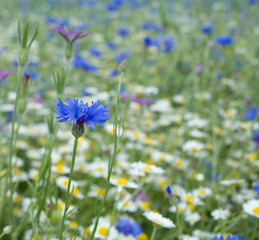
25,34
34,36
19,31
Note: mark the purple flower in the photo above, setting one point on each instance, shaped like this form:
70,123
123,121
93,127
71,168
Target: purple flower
142,101
70,36
140,196
255,137
80,113
198,69
4,74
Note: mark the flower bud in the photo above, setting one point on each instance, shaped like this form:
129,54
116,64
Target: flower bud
123,66
78,130
69,50
24,85
7,229
21,105
23,57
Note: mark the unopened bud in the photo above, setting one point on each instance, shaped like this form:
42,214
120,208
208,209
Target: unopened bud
24,84
78,130
8,229
123,66
23,57
21,105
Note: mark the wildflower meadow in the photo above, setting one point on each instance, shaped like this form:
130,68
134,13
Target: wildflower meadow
129,120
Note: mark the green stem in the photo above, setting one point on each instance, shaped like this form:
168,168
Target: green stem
153,233
12,143
111,160
68,188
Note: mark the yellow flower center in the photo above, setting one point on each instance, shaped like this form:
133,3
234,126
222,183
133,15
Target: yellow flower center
191,207
201,192
179,163
73,224
60,168
180,210
189,198
145,205
65,182
147,168
256,210
100,191
142,236
148,140
136,133
253,156
75,190
103,231
122,181
158,221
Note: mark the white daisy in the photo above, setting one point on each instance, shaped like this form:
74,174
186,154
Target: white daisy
158,219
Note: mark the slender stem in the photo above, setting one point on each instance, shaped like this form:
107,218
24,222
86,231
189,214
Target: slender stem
12,143
153,233
111,160
68,188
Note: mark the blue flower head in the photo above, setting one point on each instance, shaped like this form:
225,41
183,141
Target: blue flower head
123,31
206,29
80,62
80,113
256,188
234,237
250,115
128,227
224,40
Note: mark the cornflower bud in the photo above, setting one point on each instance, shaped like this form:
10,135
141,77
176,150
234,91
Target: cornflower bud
123,66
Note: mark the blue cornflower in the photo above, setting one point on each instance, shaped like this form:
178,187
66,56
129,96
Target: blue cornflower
256,188
96,114
148,42
206,29
80,113
114,73
168,44
252,1
234,237
94,51
123,32
111,45
169,191
224,40
80,62
128,227
51,20
250,115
